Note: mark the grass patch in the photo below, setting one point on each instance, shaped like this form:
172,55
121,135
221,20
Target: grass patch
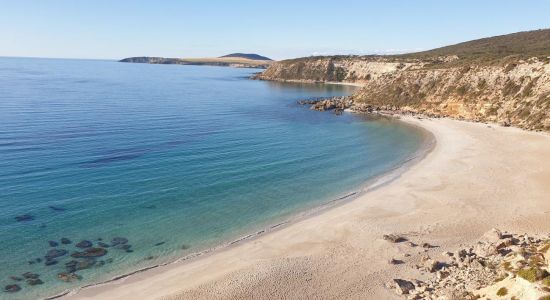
528,274
502,291
546,281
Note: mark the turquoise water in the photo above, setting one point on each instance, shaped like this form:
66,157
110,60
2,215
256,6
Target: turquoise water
176,159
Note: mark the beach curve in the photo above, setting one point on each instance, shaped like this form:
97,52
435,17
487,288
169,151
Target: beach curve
341,249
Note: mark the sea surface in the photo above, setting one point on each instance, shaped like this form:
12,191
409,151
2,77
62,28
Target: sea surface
175,159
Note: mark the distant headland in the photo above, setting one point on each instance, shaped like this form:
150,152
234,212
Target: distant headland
237,60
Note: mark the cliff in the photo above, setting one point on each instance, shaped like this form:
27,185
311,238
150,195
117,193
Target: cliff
504,79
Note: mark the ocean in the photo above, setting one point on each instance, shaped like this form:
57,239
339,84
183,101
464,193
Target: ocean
156,162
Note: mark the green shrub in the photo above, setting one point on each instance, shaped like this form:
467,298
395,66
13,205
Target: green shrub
528,274
502,291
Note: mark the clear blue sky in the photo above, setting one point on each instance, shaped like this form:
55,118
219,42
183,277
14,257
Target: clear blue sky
279,29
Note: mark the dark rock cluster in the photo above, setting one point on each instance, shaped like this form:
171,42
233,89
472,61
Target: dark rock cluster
85,257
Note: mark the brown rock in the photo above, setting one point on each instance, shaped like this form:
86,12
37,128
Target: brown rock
403,286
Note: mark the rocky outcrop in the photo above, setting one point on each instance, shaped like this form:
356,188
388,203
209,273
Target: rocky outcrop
338,104
498,265
514,94
504,79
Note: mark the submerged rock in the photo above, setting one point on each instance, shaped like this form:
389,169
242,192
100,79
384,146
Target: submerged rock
65,241
68,277
71,266
50,262
119,241
34,281
160,243
29,275
85,264
16,278
104,245
12,288
24,218
57,208
90,252
84,244
53,243
54,253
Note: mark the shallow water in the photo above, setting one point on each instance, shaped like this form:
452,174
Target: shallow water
174,158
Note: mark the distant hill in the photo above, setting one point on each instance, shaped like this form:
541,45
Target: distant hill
225,61
247,56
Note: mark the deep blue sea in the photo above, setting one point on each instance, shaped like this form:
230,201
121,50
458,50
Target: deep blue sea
175,159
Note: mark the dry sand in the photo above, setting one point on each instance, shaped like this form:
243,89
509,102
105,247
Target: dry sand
477,177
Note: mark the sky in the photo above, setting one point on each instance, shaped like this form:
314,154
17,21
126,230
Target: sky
279,29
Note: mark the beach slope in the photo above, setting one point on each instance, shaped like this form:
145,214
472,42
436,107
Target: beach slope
476,177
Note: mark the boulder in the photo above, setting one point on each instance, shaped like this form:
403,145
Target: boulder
54,253
85,264
12,288
431,265
30,275
493,235
84,244
50,262
403,287
34,281
394,238
90,252
24,218
119,241
65,241
53,243
67,277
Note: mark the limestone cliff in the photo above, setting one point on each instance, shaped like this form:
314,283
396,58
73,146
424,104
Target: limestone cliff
503,79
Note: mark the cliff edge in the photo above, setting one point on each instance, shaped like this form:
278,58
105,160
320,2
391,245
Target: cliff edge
503,79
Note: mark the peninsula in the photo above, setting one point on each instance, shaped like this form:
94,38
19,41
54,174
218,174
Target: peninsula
236,60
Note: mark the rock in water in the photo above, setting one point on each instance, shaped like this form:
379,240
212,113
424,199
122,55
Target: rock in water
90,252
50,262
65,241
84,244
54,253
12,288
119,241
34,281
24,218
67,277
56,208
53,243
85,264
104,245
30,275
403,286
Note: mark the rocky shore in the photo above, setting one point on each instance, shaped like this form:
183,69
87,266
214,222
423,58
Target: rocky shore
500,265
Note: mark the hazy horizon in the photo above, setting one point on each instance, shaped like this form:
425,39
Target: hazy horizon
104,30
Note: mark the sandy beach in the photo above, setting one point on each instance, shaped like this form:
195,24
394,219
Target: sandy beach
476,177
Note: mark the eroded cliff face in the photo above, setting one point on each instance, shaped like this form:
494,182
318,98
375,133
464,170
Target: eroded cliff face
515,92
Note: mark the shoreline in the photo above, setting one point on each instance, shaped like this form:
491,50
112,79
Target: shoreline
471,181
428,144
